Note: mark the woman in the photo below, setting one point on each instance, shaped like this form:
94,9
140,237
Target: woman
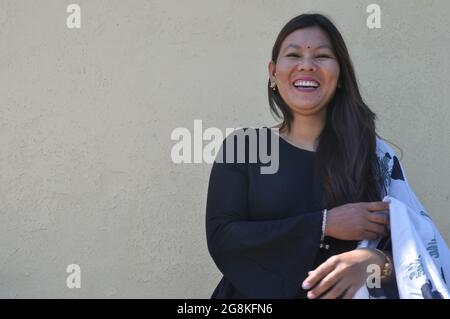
293,234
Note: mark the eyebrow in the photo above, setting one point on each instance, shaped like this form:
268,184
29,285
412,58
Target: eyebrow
295,46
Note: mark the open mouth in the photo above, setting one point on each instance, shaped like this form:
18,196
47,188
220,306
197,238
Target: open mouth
306,85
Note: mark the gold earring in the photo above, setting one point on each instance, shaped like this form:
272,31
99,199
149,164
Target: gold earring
273,85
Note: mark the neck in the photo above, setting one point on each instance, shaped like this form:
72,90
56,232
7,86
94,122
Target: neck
306,129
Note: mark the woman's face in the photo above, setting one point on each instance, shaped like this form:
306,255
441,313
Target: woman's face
306,71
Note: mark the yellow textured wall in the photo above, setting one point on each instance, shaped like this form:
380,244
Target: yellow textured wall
86,117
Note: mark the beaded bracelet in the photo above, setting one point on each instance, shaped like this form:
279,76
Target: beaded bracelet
322,238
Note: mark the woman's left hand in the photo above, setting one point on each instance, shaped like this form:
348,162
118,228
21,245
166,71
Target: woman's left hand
344,274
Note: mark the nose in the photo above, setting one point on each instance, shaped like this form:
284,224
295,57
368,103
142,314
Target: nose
306,64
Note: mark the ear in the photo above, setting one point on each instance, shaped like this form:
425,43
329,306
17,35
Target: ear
272,69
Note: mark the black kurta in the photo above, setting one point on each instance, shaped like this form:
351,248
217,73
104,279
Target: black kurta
263,230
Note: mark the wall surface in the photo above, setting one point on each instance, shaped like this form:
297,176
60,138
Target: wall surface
86,116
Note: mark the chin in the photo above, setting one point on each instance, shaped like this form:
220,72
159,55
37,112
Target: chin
307,107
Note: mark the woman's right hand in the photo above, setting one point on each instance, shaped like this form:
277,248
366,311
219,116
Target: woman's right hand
358,221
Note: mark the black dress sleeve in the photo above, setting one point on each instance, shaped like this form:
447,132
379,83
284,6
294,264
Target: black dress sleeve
261,259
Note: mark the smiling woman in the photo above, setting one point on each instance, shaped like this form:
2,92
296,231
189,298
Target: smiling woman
267,233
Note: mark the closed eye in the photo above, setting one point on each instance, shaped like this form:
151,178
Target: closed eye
322,56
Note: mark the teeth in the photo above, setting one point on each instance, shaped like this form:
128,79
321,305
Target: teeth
306,83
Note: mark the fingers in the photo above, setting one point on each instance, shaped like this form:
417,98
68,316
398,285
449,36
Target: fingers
379,217
376,206
378,229
326,283
350,293
320,272
336,291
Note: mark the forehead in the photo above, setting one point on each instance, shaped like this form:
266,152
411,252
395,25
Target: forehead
312,37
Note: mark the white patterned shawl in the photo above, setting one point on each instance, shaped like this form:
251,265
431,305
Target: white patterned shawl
420,255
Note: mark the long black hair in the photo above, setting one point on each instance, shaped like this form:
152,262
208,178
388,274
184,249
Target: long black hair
346,153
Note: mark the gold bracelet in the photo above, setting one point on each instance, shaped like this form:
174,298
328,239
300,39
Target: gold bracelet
387,267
